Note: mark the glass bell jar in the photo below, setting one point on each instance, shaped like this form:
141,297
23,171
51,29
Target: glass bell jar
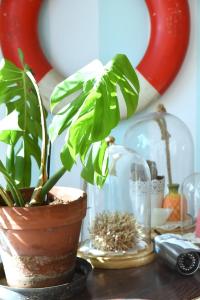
116,231
165,142
190,210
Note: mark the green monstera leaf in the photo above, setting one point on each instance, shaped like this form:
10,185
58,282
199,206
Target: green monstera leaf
21,128
93,113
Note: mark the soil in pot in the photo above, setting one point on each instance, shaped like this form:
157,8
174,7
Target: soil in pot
39,244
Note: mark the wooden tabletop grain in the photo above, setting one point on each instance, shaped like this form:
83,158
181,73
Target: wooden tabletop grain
154,281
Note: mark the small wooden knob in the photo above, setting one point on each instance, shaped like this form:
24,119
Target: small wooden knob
161,108
110,140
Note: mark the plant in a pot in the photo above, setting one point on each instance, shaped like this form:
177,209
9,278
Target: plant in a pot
40,226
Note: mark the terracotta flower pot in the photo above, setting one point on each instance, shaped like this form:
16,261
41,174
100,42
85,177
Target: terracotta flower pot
39,244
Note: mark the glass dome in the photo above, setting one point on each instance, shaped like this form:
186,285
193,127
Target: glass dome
166,143
116,230
190,192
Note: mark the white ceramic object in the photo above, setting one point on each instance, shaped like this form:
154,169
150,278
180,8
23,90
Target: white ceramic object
157,192
159,216
138,191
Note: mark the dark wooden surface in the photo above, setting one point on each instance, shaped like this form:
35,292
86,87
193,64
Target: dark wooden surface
154,281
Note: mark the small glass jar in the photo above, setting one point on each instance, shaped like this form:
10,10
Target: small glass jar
116,231
167,145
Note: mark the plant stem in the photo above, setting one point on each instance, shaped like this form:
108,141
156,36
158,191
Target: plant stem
10,160
4,195
49,161
36,197
17,197
51,182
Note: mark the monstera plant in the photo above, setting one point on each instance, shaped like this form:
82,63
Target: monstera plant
87,121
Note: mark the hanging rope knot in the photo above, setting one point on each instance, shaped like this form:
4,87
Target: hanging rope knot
161,108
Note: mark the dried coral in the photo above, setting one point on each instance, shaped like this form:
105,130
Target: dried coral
115,231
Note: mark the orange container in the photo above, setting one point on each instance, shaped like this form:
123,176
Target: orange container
174,201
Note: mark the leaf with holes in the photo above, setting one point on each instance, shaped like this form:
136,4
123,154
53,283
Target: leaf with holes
94,112
23,133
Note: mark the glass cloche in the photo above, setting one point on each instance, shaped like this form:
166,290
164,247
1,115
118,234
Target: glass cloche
166,143
116,230
190,196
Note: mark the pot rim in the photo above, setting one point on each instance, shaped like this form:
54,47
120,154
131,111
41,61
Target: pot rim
26,218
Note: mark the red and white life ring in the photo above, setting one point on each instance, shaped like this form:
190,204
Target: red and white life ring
170,27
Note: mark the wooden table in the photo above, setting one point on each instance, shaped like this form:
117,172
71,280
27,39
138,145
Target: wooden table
154,281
